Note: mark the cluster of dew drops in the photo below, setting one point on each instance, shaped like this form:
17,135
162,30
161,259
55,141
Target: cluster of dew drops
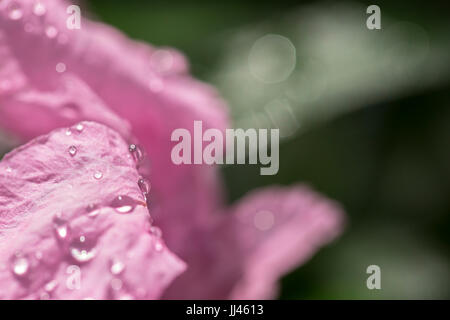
16,12
161,60
82,248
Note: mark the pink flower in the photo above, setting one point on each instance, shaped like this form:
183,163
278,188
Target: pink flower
71,204
52,77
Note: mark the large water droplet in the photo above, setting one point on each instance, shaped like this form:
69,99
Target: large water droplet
39,9
20,265
82,249
137,153
15,11
61,227
123,204
80,127
70,110
72,150
98,175
51,32
144,186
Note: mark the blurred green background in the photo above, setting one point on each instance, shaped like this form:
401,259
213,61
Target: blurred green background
365,117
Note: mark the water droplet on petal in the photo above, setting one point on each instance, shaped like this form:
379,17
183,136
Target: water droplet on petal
123,204
70,110
92,210
72,151
144,186
117,266
82,255
39,9
28,27
82,249
49,287
44,296
158,246
20,266
60,67
51,32
156,231
61,227
68,132
136,152
98,175
80,127
15,11
116,284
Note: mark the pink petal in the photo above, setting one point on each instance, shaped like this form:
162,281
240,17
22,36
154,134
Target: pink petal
147,87
150,89
269,233
31,112
60,217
